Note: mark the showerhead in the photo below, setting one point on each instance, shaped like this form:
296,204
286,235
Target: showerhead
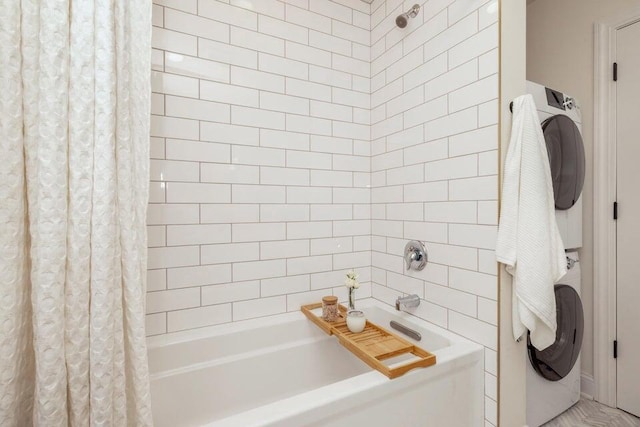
403,20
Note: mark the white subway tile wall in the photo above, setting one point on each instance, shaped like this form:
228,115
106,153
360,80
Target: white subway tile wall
293,140
434,141
260,168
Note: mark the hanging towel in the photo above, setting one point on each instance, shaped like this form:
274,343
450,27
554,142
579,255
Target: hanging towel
529,243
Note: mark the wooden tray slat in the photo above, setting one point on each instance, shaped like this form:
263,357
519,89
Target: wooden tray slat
373,344
387,347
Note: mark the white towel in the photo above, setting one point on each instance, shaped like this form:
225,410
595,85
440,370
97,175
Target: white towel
529,242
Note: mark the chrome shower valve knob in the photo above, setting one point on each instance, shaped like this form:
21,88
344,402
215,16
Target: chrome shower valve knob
415,255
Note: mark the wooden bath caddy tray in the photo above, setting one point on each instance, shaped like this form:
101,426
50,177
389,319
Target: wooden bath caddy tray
373,345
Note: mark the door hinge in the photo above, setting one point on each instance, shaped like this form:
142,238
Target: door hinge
615,210
615,71
615,349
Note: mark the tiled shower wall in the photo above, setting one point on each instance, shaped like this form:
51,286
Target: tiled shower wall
272,120
260,169
435,164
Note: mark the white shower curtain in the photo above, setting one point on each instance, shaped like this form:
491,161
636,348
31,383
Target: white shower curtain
74,132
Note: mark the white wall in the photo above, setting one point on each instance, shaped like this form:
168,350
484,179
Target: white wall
260,157
560,55
435,163
512,355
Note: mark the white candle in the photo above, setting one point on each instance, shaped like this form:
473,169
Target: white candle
356,321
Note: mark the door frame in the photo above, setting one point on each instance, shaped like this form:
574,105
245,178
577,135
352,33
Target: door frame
604,194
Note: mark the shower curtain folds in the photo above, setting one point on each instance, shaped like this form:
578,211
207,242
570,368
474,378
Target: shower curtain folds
74,134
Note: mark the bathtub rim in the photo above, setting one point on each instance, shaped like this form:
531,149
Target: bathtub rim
171,338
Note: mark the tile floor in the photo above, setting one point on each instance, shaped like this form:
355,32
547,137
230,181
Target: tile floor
589,413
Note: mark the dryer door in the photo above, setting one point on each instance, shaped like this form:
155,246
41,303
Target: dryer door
555,362
566,157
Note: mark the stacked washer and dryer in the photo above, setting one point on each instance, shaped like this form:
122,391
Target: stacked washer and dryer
553,375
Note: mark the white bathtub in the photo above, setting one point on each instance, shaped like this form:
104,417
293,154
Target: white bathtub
284,371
